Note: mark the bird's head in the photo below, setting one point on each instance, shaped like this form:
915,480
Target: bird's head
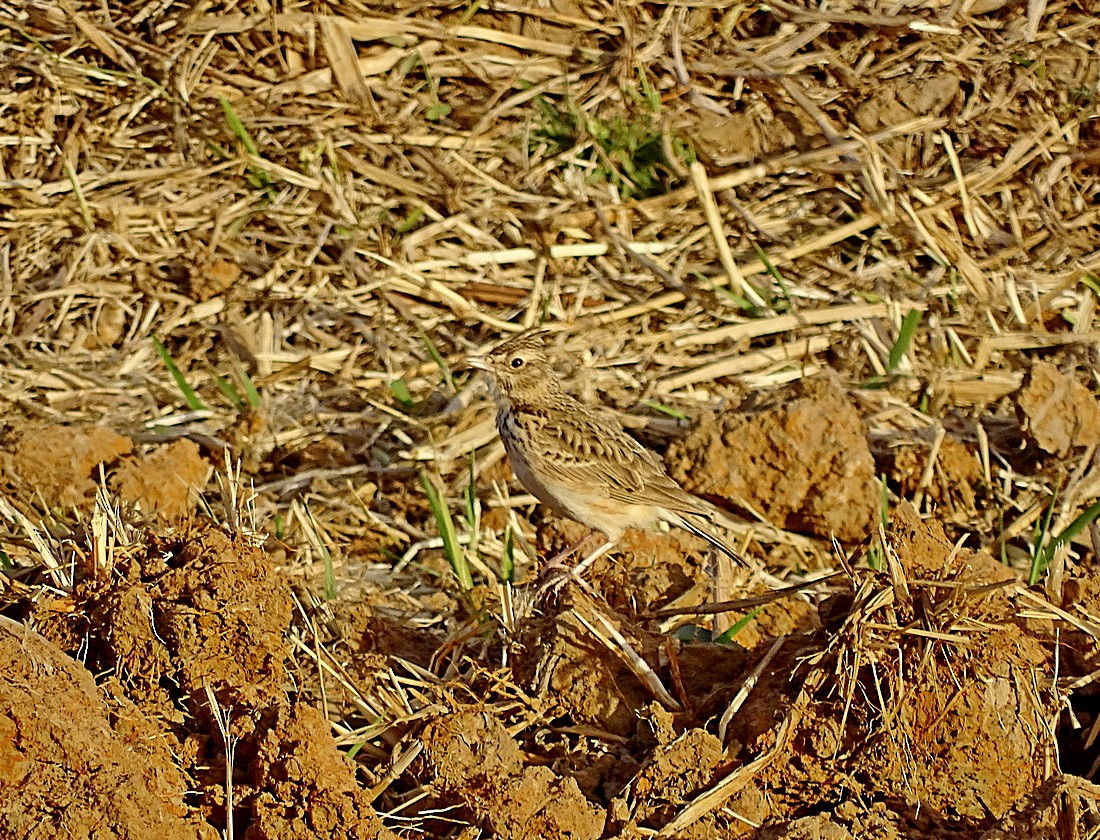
519,369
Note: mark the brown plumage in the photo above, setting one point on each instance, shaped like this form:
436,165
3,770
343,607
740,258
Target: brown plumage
580,462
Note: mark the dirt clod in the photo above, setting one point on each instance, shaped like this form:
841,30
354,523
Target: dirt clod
167,481
1061,412
919,721
60,462
65,772
955,481
304,788
1047,810
900,100
674,773
805,464
194,605
471,756
808,828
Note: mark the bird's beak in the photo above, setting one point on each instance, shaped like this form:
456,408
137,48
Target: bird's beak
478,362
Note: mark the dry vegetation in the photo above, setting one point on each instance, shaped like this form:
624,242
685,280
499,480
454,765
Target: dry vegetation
838,263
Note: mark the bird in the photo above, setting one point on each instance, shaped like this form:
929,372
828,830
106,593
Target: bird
579,461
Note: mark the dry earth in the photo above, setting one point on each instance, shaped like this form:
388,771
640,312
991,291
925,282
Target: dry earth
864,324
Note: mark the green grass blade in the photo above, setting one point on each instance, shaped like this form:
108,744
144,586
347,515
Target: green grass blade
250,392
737,627
451,548
1040,543
229,392
876,562
1045,555
410,221
436,112
884,502
401,393
437,357
469,499
256,176
666,409
190,398
330,572
772,271
237,127
81,201
909,326
1090,515
508,560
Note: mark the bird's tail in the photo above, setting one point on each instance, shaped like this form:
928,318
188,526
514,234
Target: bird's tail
702,527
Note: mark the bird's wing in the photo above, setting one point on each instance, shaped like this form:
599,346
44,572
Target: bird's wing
597,453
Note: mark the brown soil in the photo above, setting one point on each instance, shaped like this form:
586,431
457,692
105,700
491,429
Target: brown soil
889,694
70,768
191,623
60,466
805,465
1061,412
474,760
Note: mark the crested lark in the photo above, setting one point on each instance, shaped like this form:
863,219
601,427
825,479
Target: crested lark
579,462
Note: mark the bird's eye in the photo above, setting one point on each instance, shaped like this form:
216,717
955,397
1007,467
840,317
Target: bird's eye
517,362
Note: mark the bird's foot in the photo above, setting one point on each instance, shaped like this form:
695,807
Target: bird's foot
555,577
556,573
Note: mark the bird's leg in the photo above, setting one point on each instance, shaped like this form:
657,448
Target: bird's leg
567,552
582,566
556,576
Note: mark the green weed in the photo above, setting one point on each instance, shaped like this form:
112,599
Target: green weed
401,393
908,329
452,550
1044,546
735,628
256,176
190,398
627,151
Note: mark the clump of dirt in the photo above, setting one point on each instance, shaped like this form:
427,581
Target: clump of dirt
1061,413
674,773
303,788
817,827
167,481
586,682
192,606
929,666
955,482
374,629
210,278
805,465
647,568
1051,811
762,128
906,99
59,462
59,467
183,611
64,771
474,760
